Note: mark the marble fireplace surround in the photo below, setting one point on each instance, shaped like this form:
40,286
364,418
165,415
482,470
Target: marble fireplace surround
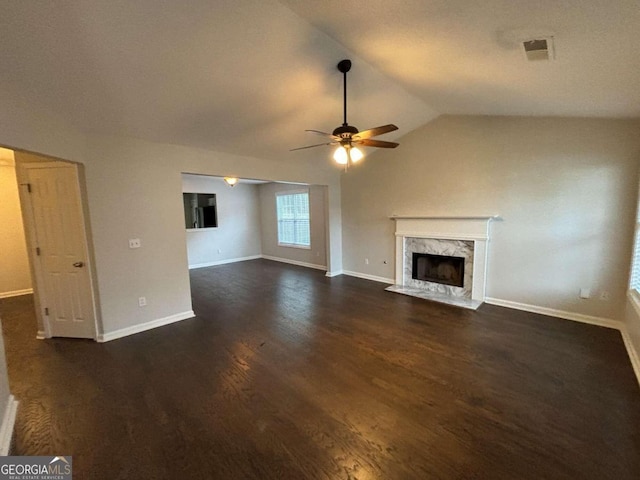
467,235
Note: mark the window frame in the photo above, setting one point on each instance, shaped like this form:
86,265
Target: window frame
634,287
287,193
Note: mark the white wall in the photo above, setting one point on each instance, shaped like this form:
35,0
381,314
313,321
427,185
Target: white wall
566,189
238,232
316,255
15,278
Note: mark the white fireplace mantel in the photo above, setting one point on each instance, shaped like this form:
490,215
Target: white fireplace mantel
461,227
475,228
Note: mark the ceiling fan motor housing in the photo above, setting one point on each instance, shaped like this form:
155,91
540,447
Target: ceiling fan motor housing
345,131
344,65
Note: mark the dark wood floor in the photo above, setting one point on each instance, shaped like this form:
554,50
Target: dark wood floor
287,374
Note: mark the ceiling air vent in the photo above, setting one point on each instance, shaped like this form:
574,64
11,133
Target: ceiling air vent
539,49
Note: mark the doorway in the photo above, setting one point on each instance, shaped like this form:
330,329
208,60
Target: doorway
55,225
15,276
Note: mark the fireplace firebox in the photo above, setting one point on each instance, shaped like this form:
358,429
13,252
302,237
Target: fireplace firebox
438,269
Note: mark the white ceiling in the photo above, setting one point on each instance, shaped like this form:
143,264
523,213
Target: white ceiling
248,76
464,56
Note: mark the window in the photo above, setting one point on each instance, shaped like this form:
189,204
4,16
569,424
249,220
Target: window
293,219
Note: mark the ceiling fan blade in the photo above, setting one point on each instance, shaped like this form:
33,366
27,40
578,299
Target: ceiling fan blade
374,132
376,143
318,132
311,146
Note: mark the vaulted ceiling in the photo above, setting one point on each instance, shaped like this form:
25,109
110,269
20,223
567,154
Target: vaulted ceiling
248,76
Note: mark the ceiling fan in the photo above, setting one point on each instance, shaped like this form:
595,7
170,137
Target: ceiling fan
346,136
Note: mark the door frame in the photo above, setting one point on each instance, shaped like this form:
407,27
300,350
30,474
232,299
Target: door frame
39,291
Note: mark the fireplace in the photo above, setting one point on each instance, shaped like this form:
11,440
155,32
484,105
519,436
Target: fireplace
442,258
444,269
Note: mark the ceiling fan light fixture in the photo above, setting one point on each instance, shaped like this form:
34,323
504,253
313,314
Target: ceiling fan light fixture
231,181
346,154
355,154
341,156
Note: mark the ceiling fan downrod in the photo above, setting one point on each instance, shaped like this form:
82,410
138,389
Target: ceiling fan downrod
345,131
344,66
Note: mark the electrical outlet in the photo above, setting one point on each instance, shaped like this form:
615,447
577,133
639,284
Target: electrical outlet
366,261
142,302
219,250
605,296
585,293
135,243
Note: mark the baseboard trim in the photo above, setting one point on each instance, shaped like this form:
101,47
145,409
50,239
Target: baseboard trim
224,262
143,327
334,274
16,293
552,312
8,422
294,262
366,276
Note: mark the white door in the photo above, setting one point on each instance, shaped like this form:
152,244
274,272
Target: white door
61,250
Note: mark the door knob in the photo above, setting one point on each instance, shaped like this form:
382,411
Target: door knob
78,264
